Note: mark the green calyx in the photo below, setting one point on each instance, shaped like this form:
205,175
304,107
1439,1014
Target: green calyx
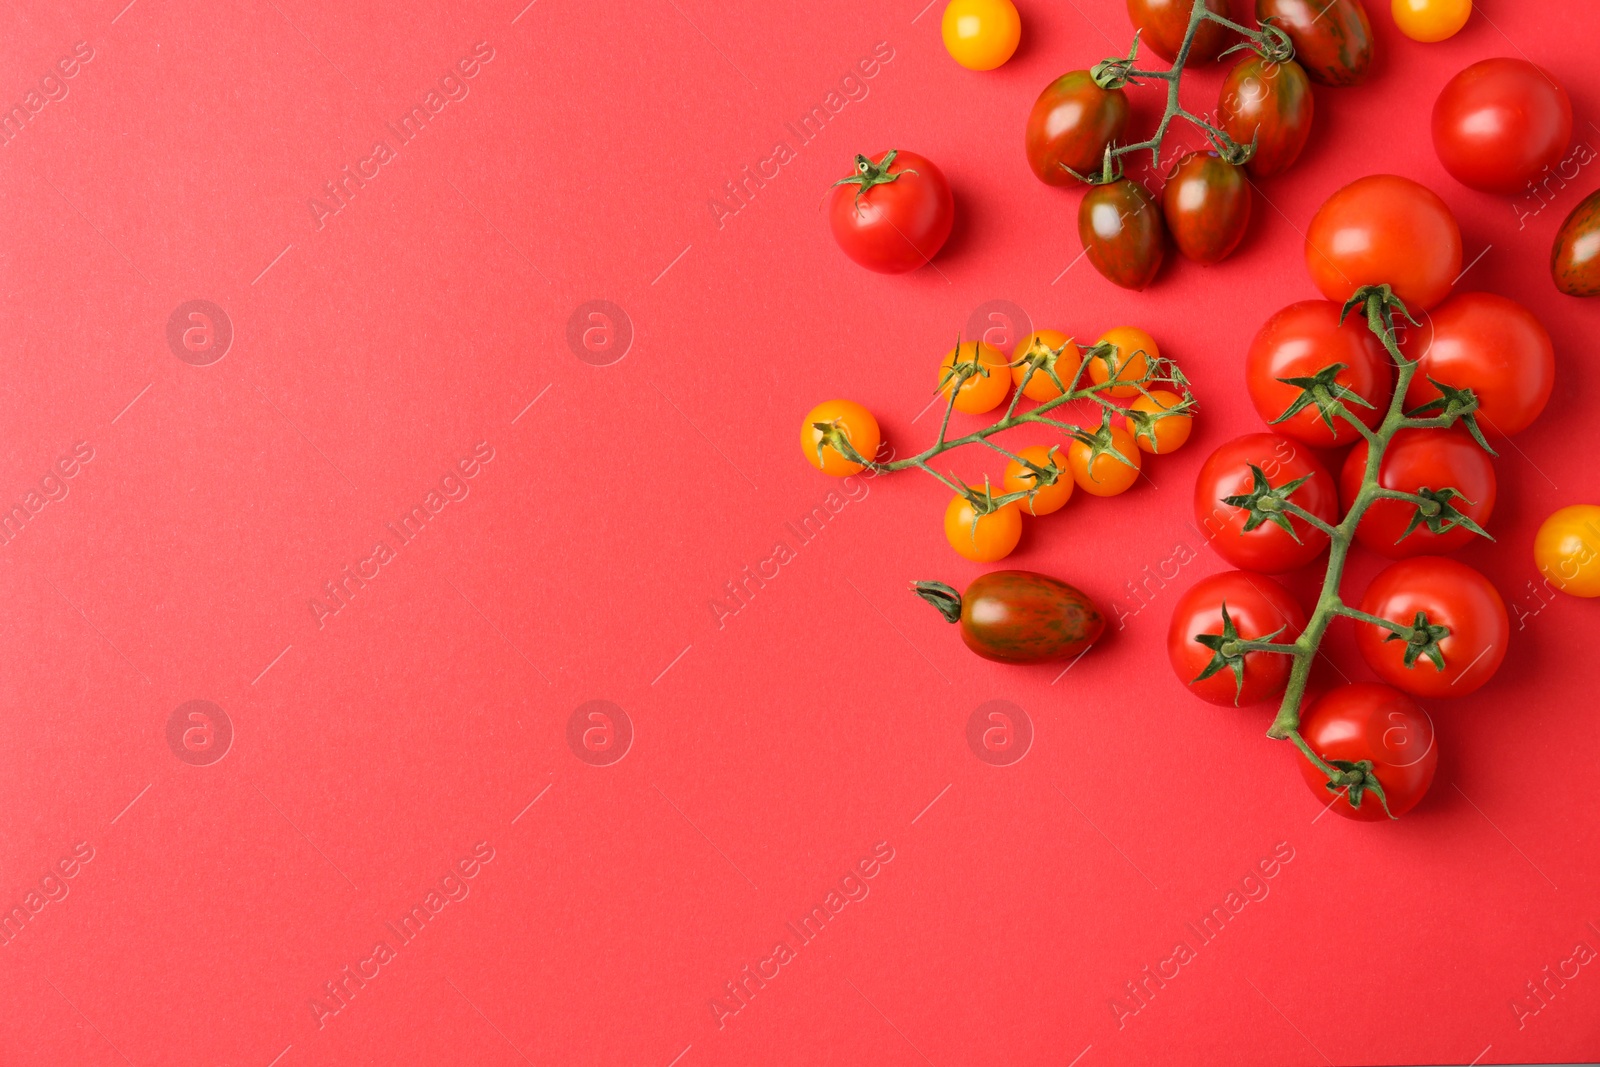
1454,405
1422,639
833,435
1323,390
869,174
1228,652
1356,780
1040,358
1265,503
942,596
1100,443
1436,510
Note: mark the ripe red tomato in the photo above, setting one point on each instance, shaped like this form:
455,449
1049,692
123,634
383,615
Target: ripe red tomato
1272,104
892,215
1070,125
1257,607
1302,341
1416,460
1575,256
1257,542
1499,123
1163,24
1332,38
1385,229
1120,226
1207,207
1019,616
1466,627
1381,727
1491,345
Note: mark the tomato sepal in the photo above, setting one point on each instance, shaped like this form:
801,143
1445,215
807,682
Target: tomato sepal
942,596
1355,781
1451,406
1322,390
869,174
1266,504
1229,649
1435,511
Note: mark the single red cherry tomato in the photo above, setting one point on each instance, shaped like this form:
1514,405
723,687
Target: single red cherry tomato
1377,726
1019,616
1120,226
1207,207
1384,229
1162,25
1332,38
1424,462
1261,539
1498,124
1453,616
1197,638
1271,104
1304,341
1491,345
1575,256
892,215
1070,125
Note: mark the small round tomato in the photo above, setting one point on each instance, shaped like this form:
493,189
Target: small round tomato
1120,226
1045,350
1258,534
1567,550
981,34
1134,352
1424,462
1271,104
1107,468
1207,207
982,538
893,215
985,378
1575,256
1163,24
1332,38
1384,734
1044,497
1499,123
1456,627
1019,616
1154,430
833,418
1491,345
1070,126
1303,341
1430,20
1384,229
1232,606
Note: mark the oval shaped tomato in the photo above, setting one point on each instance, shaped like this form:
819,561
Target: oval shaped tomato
1019,616
1575,256
1489,344
1270,103
1264,538
1418,460
894,215
1303,341
1257,608
1162,25
1207,207
1332,38
981,34
1499,123
1567,550
1385,229
982,538
1457,627
1430,20
1120,226
1379,726
833,419
1070,125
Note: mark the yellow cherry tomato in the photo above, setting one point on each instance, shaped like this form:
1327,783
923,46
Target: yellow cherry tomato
1567,550
1022,479
1169,432
1430,20
981,391
992,537
1105,474
1041,343
845,417
981,34
1135,350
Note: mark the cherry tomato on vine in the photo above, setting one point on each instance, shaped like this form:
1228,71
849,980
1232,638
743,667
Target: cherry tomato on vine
1332,38
845,417
1499,123
1303,341
1430,20
1489,344
1105,474
1042,343
982,538
1120,226
1567,550
1134,352
1379,726
1270,103
981,34
1163,434
1417,461
1257,608
892,215
1019,616
1384,229
1162,25
982,390
1466,627
1044,499
1261,540
1070,125
1207,207
1575,256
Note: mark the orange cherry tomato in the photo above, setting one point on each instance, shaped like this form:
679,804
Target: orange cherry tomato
1135,352
982,538
1042,343
981,391
844,416
1164,434
1044,498
1105,474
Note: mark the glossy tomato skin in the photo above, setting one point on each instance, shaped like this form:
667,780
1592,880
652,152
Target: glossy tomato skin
1489,344
1499,123
1332,38
1120,226
1421,459
1162,25
1567,550
981,34
1301,340
1575,256
848,417
1385,229
1372,722
1272,104
1257,606
1070,125
1454,596
1206,203
1430,20
1023,617
1268,548
896,226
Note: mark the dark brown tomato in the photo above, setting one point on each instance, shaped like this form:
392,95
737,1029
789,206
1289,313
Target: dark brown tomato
1070,125
1120,226
1019,616
1207,207
1332,38
1575,258
1272,104
1164,23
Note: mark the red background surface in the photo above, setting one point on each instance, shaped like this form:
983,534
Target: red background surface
376,746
